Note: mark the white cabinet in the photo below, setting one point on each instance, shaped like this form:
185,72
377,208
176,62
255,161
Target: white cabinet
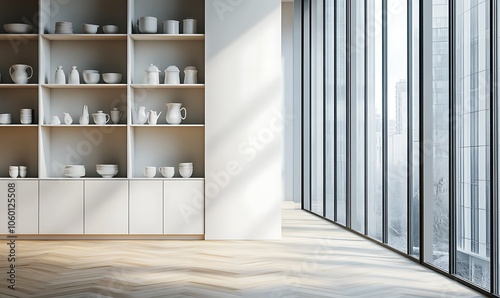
146,207
61,207
25,205
184,207
106,207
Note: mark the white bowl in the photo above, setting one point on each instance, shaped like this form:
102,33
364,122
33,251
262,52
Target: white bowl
107,173
112,78
186,172
110,29
90,28
75,175
91,77
186,164
18,28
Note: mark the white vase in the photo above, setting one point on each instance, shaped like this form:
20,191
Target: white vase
74,76
60,76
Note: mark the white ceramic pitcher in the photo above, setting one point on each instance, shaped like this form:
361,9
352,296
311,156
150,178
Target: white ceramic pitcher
140,115
19,73
174,113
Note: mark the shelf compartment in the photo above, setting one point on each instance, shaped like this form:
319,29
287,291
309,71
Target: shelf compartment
56,102
19,148
85,37
168,37
19,11
164,54
13,100
109,12
104,56
156,99
160,146
169,10
19,52
89,146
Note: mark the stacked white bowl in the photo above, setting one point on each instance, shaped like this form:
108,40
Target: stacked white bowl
26,116
5,119
74,171
107,171
186,169
64,28
91,76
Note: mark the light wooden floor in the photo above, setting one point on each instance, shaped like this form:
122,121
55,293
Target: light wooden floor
314,259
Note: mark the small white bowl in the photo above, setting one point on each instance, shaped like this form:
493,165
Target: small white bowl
112,78
186,172
110,29
91,77
18,28
90,28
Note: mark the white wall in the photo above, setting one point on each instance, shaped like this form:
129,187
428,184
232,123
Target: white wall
288,68
245,120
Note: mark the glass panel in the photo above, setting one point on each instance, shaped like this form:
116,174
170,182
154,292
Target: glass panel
473,142
306,98
330,108
374,118
358,115
397,99
414,89
317,107
341,111
441,133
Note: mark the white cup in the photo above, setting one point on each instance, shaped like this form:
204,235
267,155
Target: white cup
147,25
186,172
150,172
13,171
167,172
171,27
5,119
189,26
23,170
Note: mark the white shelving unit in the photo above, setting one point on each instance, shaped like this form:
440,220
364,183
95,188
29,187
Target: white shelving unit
46,148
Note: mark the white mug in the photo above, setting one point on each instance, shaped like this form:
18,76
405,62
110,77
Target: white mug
150,172
147,25
171,27
23,170
167,172
13,171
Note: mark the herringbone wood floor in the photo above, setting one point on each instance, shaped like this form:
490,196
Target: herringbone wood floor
314,259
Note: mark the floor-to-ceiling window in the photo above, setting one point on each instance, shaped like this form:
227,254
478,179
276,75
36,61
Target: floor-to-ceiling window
397,117
317,93
400,127
374,154
357,112
472,50
441,132
330,109
341,110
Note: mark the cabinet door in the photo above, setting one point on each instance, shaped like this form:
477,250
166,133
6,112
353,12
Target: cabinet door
25,203
184,207
61,207
146,206
106,207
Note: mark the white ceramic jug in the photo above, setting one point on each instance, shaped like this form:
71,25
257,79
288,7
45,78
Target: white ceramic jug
84,118
153,117
174,115
152,75
140,115
60,76
172,75
19,73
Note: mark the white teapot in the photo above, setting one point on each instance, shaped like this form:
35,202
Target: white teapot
100,118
